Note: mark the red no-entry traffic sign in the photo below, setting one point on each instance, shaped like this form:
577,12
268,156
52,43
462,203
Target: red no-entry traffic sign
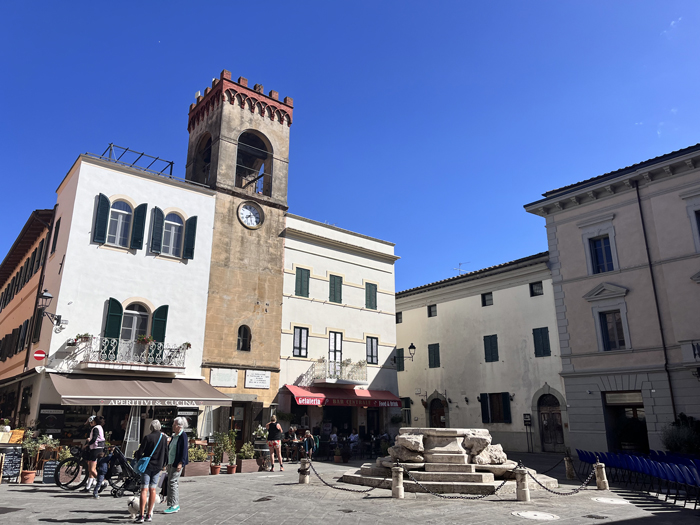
39,355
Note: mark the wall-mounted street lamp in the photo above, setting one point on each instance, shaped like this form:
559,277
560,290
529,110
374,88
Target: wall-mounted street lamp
44,302
411,353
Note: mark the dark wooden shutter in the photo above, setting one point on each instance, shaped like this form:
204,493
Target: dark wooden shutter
484,400
3,356
38,319
546,350
160,321
399,360
494,347
39,256
434,356
506,407
603,320
139,227
99,232
113,325
190,235
371,296
157,230
56,229
538,342
487,348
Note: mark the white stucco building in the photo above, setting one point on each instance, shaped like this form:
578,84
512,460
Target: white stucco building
338,330
486,355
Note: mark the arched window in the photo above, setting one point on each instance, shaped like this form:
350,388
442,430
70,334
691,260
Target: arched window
172,235
134,322
119,224
254,164
202,160
244,339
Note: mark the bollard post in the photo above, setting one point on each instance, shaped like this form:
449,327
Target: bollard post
570,472
397,482
304,471
522,490
601,478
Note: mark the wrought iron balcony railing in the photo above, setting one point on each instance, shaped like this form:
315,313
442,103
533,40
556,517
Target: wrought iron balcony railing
342,370
125,352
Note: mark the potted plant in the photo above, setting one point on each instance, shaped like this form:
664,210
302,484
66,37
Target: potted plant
345,454
197,465
338,455
144,339
186,345
31,447
244,459
231,451
83,338
220,445
261,447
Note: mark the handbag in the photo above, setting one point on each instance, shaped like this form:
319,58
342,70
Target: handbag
142,464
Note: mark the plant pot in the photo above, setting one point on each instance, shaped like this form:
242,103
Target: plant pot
230,469
214,469
27,476
244,466
346,458
337,459
196,468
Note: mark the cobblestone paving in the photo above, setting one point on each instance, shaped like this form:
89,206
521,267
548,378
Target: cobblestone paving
276,498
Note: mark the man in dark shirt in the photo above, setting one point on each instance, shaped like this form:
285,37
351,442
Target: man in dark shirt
154,445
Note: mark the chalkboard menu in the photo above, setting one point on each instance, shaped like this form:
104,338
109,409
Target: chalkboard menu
50,471
13,460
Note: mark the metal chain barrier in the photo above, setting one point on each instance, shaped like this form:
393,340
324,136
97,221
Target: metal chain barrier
555,466
342,488
444,496
570,493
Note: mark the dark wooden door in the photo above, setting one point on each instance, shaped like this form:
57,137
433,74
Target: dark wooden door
551,428
437,414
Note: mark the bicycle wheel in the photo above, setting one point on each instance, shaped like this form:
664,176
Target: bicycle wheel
71,473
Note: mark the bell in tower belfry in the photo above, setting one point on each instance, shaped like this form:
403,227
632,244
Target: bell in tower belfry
239,140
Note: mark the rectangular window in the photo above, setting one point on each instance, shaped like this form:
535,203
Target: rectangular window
536,289
541,336
611,328
32,264
406,410
335,353
487,299
39,256
335,289
371,296
55,235
491,348
601,255
301,340
434,356
399,360
301,287
399,317
495,408
372,351
432,310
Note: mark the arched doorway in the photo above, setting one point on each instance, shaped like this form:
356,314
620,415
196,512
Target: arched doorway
551,429
437,414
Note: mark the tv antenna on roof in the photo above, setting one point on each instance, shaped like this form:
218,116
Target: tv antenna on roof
459,270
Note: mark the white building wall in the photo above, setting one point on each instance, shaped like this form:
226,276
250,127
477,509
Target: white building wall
459,328
83,275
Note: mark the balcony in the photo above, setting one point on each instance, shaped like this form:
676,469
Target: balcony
345,372
121,354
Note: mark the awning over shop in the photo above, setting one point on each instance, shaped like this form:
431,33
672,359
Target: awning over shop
346,397
81,389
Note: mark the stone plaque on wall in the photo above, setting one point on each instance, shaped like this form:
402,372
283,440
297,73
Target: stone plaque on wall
224,377
257,379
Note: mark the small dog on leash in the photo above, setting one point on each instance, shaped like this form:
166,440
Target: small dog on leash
133,505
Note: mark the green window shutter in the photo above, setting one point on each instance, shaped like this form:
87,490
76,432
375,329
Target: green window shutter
99,232
157,230
484,400
434,356
506,407
537,335
190,235
487,348
113,325
297,283
399,360
494,347
160,320
336,289
137,230
546,350
371,296
301,288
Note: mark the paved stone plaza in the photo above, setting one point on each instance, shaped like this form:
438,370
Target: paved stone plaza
276,498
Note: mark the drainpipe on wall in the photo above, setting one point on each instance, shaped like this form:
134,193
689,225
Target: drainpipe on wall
656,299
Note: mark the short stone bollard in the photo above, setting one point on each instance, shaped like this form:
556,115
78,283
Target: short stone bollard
397,482
304,471
601,478
522,490
570,472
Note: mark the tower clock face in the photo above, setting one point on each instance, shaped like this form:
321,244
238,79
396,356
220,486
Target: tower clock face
250,215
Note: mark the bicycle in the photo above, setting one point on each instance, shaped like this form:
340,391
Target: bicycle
72,472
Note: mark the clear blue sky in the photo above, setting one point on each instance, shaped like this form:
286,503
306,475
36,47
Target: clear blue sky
428,124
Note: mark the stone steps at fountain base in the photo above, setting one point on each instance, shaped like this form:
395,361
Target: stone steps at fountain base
449,467
355,477
472,477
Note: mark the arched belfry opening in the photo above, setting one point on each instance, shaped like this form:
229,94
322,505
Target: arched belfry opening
202,160
254,164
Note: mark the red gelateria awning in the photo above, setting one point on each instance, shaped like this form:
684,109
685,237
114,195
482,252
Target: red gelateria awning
343,397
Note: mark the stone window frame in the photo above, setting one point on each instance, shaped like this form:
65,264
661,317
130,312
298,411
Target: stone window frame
594,228
606,305
692,207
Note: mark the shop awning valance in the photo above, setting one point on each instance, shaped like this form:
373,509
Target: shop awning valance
82,389
345,397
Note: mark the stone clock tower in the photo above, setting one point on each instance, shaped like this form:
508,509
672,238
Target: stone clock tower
239,146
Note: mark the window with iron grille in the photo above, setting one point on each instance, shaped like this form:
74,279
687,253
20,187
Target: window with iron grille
301,340
536,289
611,329
432,310
601,254
372,351
487,299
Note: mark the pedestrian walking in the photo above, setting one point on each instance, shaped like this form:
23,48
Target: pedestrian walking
103,465
274,441
95,444
154,446
177,459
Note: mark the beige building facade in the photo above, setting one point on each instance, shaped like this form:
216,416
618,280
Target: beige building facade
486,355
625,257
